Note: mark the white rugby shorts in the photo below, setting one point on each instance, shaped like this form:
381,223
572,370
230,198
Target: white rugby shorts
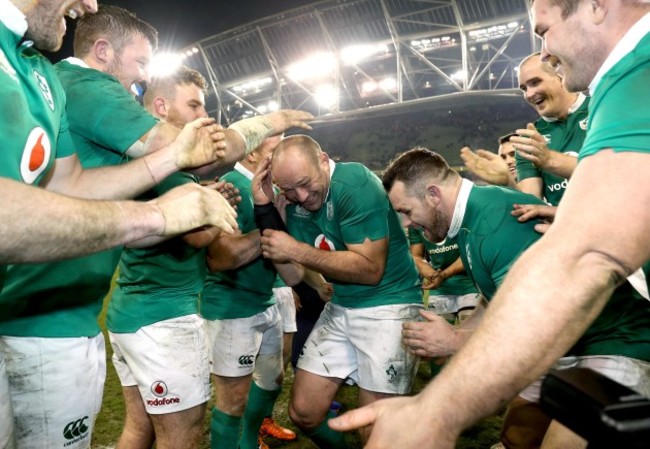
363,344
234,344
167,361
287,305
55,386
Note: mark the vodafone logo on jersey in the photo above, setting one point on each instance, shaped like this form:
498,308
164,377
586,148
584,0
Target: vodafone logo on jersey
36,155
159,389
324,243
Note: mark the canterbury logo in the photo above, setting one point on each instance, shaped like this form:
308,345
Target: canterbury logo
246,360
75,429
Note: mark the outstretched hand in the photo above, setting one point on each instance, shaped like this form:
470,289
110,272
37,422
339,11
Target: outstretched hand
199,143
434,337
487,166
397,422
542,212
531,145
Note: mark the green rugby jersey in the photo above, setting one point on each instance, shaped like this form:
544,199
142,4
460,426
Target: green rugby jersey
490,240
247,290
564,136
33,121
105,119
159,282
357,208
63,299
440,256
619,112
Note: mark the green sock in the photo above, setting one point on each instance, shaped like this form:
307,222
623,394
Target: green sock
268,413
259,402
326,438
224,430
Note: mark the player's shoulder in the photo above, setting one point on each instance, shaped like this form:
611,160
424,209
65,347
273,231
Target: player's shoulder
353,175
236,178
491,207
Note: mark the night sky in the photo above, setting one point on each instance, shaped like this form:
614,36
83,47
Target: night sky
181,22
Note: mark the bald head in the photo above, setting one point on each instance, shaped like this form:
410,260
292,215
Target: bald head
301,169
299,146
543,88
535,60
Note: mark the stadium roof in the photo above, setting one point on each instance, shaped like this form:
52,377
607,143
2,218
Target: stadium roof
336,58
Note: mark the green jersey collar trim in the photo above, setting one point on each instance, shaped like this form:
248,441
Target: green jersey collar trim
574,107
461,205
626,45
13,18
244,171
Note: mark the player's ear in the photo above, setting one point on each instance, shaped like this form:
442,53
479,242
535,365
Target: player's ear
160,106
433,193
103,51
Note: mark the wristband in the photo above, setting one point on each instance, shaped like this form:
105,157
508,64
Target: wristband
268,217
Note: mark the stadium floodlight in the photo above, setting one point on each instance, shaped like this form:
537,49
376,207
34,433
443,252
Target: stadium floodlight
354,54
369,87
316,66
163,64
460,75
253,86
326,96
273,105
388,84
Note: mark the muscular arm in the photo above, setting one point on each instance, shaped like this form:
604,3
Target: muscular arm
199,142
362,263
531,146
560,164
57,227
454,269
229,252
534,186
417,251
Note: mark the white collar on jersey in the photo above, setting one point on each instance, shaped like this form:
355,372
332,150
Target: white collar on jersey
244,171
332,168
574,107
76,61
13,18
627,43
461,205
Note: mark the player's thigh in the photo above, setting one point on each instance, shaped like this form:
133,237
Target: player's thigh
179,430
56,387
327,352
384,366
